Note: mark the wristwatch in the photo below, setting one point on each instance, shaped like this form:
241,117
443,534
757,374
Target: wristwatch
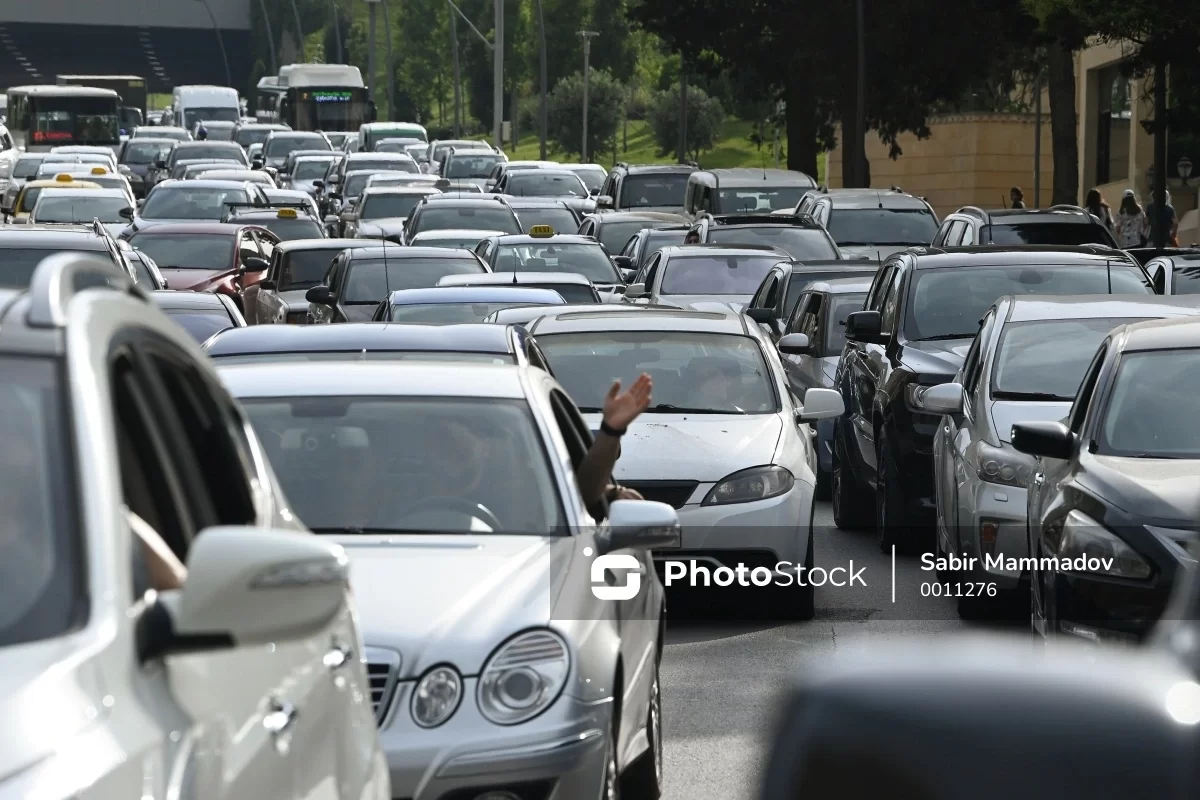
610,430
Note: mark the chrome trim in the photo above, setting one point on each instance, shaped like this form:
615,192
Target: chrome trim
390,661
565,746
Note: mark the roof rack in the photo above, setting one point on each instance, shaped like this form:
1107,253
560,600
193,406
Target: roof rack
972,210
897,189
57,279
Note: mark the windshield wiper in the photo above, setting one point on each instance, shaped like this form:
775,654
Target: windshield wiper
667,408
1047,396
945,337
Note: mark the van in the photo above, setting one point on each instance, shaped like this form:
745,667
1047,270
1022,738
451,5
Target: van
192,104
370,133
744,190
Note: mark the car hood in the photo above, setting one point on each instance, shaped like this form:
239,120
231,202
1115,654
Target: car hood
872,252
698,447
1153,489
453,599
1007,412
192,279
935,361
390,226
720,303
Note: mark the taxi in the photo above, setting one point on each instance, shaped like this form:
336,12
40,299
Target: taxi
19,212
543,250
101,176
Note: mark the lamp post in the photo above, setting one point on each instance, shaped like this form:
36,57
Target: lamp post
1185,169
587,82
498,77
860,105
220,41
337,29
391,67
542,108
299,32
371,4
262,6
457,74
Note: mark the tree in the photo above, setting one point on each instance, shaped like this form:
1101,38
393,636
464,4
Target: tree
704,119
606,103
613,49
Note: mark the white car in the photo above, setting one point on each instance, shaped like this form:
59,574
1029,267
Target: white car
113,207
725,440
242,679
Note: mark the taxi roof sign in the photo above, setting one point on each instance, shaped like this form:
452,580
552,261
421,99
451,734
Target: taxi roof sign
286,213
63,177
541,231
99,171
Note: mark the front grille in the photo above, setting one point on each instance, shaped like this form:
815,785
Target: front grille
673,493
383,670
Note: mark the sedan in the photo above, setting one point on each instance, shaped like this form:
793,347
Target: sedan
613,228
448,305
192,201
381,213
1180,272
452,489
202,314
541,250
208,256
704,276
296,266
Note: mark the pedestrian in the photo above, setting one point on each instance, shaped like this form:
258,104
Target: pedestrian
1097,206
1017,196
201,133
1167,218
1132,224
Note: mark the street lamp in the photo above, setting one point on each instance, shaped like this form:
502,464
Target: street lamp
371,5
220,41
1185,169
262,4
587,75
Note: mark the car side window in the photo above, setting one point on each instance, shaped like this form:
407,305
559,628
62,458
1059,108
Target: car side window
648,271
891,302
266,242
809,323
333,278
883,279
765,296
973,364
794,322
1087,389
537,358
275,271
577,444
967,236
247,247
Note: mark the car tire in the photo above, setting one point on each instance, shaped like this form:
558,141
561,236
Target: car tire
643,779
850,501
890,515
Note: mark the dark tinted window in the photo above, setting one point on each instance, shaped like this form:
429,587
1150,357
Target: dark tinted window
280,146
1050,233
246,137
573,293
303,227
445,313
897,226
614,235
1154,406
216,150
562,220
383,165
1047,359
367,283
646,191
383,206
765,199
186,250
55,207
17,265
841,306
310,169
367,355
190,202
716,274
803,244
27,166
194,114
1187,278
474,165
201,324
543,183
444,216
588,260
304,269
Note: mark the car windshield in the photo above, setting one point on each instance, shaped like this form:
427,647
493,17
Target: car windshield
1154,406
384,165
1046,359
28,199
473,165
18,264
201,323
1050,233
592,177
562,220
542,183
144,152
613,235
217,151
802,244
588,260
410,464
446,313
367,283
289,230
41,566
26,167
882,226
716,274
310,169
218,131
212,251
841,306
190,202
194,114
698,372
107,182
655,239
653,191
948,303
303,269
1187,278
801,278
248,136
762,200
384,206
280,146
56,208
476,217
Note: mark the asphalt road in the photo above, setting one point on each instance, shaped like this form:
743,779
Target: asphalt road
720,677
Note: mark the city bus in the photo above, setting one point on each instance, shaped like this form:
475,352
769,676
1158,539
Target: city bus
42,117
131,88
266,100
322,97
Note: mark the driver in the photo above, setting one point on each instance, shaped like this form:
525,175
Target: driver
711,380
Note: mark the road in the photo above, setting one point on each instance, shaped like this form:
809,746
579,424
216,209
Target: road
720,678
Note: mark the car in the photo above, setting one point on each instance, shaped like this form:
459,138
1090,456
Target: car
295,267
48,170
226,151
1181,272
645,187
103,156
819,315
137,156
458,187
145,270
186,168
1115,479
24,169
449,237
703,276
482,525
561,184
104,179
27,196
305,172
23,247
469,164
592,175
744,190
801,237
536,211
1057,225
292,198
382,212
613,228
122,445
218,172
501,167
774,303
541,250
288,222
1026,364
215,130
284,171
279,144
1143,255
913,333
172,132
367,162
370,133
574,288
448,305
381,179
209,256
372,341
460,213
395,144
871,223
645,242
74,206
175,201
339,138
353,184
202,314
725,441
359,279
439,149
251,133
523,315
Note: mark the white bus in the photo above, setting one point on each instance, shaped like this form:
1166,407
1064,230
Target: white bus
42,117
316,97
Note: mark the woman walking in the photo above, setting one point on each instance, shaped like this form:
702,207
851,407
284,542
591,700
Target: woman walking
1132,225
1097,206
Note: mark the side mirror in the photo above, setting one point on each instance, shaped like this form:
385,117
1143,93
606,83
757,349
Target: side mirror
161,163
820,403
763,316
623,263
604,201
126,213
865,326
318,185
256,164
6,211
635,290
794,344
1045,439
331,219
628,275
319,295
945,398
254,264
641,524
266,285
250,586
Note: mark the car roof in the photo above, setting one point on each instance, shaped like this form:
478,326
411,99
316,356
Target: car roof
518,201
372,155
150,139
222,174
558,238
203,183
522,315
197,145
38,237
377,250
46,183
400,190
637,216
1015,255
1027,308
324,244
358,337
455,233
266,213
487,201
1162,334
170,298
191,227
301,134
1009,216
718,250
338,379
491,278
638,169
80,192
475,294
601,319
872,198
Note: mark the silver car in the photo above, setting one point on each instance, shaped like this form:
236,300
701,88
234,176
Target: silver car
503,653
1025,365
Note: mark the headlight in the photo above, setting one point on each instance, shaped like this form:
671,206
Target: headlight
436,697
523,677
1083,536
757,483
1005,466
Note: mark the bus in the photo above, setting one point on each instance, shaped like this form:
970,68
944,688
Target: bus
266,100
132,89
316,97
42,117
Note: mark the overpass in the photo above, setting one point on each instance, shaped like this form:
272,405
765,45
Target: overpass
168,42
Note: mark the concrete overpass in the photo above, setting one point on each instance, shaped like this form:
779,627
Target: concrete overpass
169,42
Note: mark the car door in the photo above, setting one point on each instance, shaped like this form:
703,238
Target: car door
268,307
321,314
765,297
858,373
804,371
648,276
952,470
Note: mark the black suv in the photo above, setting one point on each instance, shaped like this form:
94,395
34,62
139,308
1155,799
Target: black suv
914,332
1057,225
802,237
872,223
645,187
22,248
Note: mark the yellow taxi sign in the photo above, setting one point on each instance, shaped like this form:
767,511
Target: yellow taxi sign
99,171
287,213
63,177
541,231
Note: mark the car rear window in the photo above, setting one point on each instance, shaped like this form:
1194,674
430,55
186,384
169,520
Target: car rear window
1063,233
367,282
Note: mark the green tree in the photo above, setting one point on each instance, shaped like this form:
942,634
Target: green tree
613,49
606,102
704,119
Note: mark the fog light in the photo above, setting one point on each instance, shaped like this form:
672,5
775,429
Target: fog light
989,532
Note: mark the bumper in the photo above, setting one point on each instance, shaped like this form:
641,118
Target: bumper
564,749
1004,508
1102,609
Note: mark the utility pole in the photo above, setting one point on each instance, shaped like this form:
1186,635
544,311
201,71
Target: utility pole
337,30
220,41
542,109
299,33
371,4
1037,139
457,78
498,77
683,111
860,111
391,66
262,5
1158,229
587,84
